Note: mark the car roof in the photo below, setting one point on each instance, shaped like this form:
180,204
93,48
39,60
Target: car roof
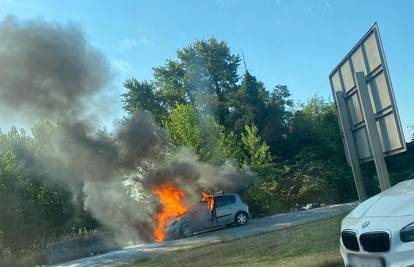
227,194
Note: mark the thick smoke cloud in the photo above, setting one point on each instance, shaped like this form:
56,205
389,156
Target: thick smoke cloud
101,163
47,72
187,171
47,69
98,155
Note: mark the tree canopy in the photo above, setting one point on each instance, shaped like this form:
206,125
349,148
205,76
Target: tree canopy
203,104
204,75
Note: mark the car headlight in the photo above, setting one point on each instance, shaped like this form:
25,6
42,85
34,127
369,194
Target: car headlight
407,233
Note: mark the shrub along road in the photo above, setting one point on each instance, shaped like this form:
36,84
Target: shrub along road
256,226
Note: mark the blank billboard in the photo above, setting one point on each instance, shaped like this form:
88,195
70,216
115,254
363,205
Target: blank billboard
368,57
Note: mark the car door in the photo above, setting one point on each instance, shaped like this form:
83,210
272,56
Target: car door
225,206
202,216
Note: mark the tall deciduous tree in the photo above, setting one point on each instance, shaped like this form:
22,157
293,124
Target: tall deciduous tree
187,127
263,197
258,153
276,120
318,168
269,111
205,75
248,104
143,96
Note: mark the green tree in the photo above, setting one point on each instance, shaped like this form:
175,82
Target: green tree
32,206
248,104
230,147
258,153
315,124
317,165
263,197
276,120
187,127
269,111
182,125
142,96
200,101
204,75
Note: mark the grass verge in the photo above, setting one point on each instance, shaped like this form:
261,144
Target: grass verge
315,244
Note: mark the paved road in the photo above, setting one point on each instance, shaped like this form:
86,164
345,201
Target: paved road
255,226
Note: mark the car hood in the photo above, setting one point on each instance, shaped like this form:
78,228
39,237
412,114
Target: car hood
396,201
193,211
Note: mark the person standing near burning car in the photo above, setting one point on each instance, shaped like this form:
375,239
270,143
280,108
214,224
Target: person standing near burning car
208,197
212,208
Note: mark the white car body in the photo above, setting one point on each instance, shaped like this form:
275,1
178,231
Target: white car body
377,221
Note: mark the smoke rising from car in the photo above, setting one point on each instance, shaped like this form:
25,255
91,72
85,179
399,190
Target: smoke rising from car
49,72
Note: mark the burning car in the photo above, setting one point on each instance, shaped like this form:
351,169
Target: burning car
212,211
380,231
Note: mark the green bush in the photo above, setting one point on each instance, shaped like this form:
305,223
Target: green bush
263,199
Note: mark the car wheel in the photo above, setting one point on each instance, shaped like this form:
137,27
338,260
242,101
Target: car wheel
241,218
186,230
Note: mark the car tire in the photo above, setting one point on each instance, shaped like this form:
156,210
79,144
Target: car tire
241,218
186,230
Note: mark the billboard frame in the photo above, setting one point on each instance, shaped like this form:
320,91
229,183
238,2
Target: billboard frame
367,125
374,28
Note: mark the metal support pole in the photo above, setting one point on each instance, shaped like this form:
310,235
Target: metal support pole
372,130
350,145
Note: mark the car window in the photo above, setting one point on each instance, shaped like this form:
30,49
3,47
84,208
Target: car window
224,200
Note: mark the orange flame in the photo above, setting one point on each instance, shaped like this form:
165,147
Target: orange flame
171,199
205,196
208,197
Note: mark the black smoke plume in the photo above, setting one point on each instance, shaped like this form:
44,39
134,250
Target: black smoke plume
49,72
47,69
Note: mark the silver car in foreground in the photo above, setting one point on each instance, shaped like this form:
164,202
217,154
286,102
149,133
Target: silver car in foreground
228,209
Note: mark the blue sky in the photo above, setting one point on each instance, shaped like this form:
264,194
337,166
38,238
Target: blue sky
296,43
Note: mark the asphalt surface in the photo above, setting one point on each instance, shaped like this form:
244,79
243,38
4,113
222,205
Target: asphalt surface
255,226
